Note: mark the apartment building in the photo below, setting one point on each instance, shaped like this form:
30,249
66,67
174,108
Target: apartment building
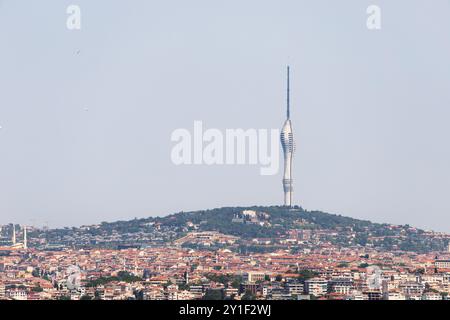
342,286
316,286
253,277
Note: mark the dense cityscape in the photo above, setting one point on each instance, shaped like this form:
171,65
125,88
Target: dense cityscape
271,253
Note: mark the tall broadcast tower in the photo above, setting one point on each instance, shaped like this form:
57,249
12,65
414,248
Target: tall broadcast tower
287,142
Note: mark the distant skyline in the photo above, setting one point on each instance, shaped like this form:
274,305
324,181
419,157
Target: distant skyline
86,115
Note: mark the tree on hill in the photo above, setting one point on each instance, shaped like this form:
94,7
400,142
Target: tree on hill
248,295
214,294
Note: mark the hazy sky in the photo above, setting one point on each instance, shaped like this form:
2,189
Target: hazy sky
86,116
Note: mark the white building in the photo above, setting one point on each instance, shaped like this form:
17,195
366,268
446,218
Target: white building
17,294
442,264
253,276
316,286
395,296
431,296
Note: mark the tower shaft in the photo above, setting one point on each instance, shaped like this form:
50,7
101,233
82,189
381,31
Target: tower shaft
14,235
25,240
287,142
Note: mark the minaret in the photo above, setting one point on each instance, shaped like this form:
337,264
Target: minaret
25,244
287,142
14,235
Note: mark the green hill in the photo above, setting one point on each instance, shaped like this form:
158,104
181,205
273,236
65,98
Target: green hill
273,222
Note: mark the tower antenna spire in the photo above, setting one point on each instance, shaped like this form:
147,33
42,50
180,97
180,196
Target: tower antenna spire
288,94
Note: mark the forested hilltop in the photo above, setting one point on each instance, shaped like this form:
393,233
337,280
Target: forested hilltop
257,222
